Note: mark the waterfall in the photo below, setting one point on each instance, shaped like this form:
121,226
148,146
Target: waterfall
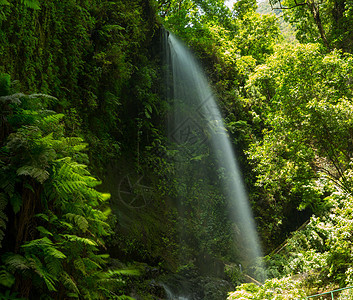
196,129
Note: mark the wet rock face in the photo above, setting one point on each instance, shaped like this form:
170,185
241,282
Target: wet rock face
196,288
207,265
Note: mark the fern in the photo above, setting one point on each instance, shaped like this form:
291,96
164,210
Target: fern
80,266
69,284
71,227
14,98
54,266
8,295
48,278
37,173
45,96
44,231
100,258
34,4
80,221
91,265
46,245
19,263
75,143
125,272
16,262
53,118
6,278
5,79
77,239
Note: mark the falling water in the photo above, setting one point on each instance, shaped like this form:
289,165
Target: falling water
171,295
196,126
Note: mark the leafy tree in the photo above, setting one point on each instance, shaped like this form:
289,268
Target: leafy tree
327,21
284,288
302,96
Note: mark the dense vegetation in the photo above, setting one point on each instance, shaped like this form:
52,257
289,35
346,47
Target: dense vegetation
89,202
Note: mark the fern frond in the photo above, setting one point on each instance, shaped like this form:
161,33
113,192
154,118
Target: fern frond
14,98
38,268
34,4
54,118
100,258
46,245
53,265
6,279
8,295
44,231
43,216
69,187
8,184
45,96
3,201
124,272
67,225
4,2
47,140
38,243
80,221
37,173
75,143
16,262
80,266
100,227
70,284
77,239
91,265
53,252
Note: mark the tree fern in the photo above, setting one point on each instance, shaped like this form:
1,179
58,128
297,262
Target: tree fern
70,228
16,202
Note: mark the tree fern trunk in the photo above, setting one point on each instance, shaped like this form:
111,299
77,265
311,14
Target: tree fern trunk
25,223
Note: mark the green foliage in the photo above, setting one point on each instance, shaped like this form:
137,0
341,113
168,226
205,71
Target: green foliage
287,109
284,288
327,22
301,96
63,256
10,296
4,84
89,55
34,4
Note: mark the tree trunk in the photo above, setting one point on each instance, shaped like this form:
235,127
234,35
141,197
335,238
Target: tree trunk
314,8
